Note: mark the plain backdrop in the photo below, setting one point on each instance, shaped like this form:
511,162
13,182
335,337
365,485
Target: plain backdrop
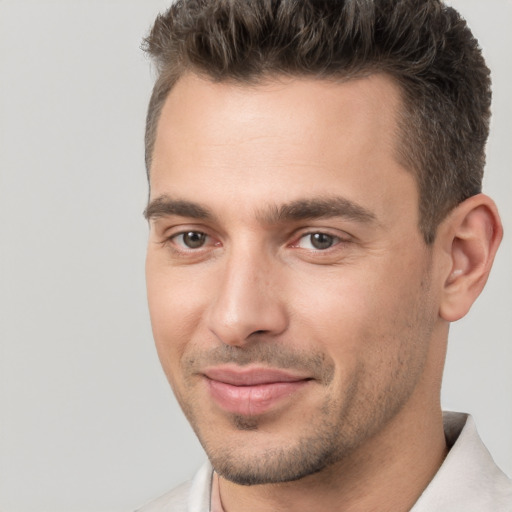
87,421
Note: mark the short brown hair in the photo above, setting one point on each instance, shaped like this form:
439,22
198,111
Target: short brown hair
423,44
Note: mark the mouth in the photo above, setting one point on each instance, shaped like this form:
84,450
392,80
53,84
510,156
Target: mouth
252,391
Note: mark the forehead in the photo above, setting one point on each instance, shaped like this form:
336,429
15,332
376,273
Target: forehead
227,112
279,140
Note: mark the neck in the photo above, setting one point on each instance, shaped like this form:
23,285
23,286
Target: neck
387,474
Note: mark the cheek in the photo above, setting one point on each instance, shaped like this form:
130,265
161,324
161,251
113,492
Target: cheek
331,314
363,317
336,306
175,310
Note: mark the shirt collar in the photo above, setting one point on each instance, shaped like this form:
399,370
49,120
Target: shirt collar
468,479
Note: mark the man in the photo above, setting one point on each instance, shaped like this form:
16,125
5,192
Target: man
316,223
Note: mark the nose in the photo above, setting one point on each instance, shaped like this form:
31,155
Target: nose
248,300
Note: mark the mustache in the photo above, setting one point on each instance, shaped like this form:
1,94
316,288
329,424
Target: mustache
316,364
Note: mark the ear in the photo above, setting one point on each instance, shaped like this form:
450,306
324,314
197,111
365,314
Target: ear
471,233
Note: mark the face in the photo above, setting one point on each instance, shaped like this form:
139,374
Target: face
290,289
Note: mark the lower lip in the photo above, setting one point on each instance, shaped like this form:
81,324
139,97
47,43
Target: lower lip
252,400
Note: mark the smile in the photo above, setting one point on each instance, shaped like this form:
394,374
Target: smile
253,391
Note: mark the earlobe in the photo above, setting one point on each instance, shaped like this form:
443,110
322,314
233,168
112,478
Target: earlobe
473,232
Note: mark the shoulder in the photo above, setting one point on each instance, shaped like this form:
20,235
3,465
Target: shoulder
191,496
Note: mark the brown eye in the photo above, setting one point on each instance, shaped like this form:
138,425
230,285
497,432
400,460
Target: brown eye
317,241
191,239
321,241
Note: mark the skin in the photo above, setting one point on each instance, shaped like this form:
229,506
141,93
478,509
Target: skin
249,171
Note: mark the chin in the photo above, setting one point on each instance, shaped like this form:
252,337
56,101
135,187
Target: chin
253,461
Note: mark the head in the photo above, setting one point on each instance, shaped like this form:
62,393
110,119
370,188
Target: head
316,222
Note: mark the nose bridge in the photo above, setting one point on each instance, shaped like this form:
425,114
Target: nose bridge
247,299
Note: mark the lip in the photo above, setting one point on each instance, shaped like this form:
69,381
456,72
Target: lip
252,391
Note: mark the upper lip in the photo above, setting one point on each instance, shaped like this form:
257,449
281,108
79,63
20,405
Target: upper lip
252,376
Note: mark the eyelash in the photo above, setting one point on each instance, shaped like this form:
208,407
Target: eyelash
182,249
335,239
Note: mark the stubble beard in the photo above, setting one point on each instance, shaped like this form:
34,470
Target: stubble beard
279,461
342,423
322,445
333,434
311,452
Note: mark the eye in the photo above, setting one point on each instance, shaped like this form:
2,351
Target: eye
317,241
190,239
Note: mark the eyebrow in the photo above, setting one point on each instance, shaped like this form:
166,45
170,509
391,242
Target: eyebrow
164,205
301,209
319,208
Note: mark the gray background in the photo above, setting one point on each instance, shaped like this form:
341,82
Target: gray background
87,422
